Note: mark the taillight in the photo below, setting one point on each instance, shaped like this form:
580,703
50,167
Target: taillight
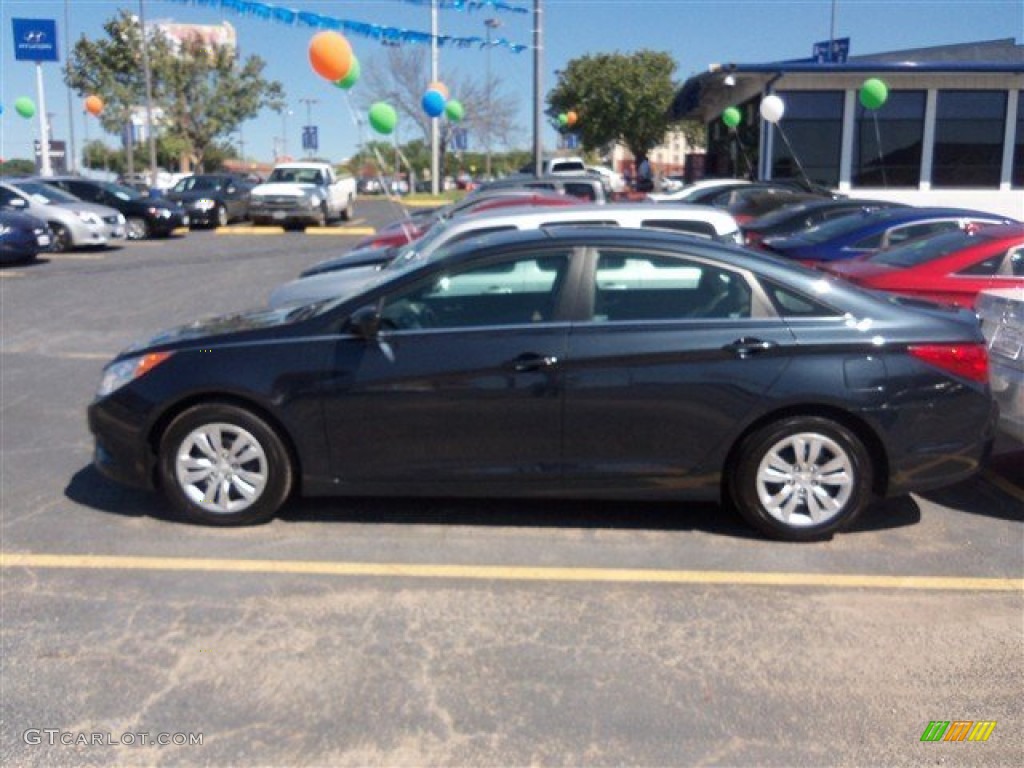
968,361
753,238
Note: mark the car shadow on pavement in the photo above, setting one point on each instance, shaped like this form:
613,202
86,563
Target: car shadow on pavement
91,489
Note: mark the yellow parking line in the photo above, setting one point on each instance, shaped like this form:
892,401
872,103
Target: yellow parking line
5,273
509,573
1003,484
249,230
341,231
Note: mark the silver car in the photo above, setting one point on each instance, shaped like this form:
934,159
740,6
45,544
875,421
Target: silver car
698,220
74,223
1001,311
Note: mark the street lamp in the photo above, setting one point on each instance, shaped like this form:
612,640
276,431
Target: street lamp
489,24
284,131
309,118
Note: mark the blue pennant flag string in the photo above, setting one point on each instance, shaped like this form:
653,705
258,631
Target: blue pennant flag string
378,32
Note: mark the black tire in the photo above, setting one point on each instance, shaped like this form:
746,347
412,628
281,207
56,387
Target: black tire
220,216
325,216
348,211
215,495
61,238
801,479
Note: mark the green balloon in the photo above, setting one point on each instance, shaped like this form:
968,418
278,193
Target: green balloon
25,107
453,110
731,117
563,120
353,75
873,93
383,117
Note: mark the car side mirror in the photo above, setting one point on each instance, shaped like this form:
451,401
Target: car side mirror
365,323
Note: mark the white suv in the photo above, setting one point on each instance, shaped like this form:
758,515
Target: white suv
701,221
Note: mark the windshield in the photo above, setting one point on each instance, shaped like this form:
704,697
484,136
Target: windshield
921,251
297,176
121,192
837,227
45,194
410,253
198,183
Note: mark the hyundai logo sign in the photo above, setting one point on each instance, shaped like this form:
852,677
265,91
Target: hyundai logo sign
35,39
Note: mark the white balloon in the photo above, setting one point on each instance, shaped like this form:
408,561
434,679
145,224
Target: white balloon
772,108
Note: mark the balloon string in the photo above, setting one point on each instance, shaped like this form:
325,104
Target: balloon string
392,201
878,144
796,159
743,151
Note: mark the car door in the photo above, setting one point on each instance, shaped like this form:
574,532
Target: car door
672,354
461,391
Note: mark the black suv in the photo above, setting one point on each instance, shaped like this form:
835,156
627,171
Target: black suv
145,216
213,199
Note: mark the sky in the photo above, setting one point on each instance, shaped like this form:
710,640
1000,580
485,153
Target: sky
697,33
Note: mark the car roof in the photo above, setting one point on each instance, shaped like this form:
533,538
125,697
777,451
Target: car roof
592,212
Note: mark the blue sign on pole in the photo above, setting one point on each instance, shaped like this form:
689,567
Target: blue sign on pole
572,141
460,139
35,39
310,138
832,51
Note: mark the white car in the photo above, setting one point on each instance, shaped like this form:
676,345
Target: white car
687,193
73,222
701,221
614,180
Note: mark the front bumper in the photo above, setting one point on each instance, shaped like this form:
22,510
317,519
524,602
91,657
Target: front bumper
121,451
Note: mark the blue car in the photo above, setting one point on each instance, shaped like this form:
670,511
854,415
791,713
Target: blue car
865,232
22,236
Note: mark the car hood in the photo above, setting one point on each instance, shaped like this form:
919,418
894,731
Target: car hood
100,210
329,285
283,188
857,269
224,325
194,194
358,257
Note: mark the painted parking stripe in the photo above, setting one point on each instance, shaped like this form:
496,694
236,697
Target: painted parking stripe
6,273
341,231
75,256
509,573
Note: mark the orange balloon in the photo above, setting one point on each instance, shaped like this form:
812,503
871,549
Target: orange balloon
440,87
94,105
330,55
571,118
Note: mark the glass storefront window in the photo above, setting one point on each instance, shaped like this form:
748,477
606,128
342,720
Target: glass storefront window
814,125
1018,150
887,142
969,128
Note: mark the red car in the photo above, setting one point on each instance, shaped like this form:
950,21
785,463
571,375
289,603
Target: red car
950,268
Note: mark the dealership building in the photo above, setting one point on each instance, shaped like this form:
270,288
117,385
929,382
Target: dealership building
950,132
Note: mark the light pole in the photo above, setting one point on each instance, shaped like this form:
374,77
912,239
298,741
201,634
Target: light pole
284,131
309,116
150,138
489,24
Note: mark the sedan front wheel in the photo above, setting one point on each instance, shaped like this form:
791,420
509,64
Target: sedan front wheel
223,465
801,479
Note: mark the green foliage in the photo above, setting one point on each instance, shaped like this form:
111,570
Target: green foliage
204,93
17,166
617,97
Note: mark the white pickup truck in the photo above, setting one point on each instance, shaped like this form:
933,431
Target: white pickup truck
299,194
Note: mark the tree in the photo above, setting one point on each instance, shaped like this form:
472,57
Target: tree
618,97
204,93
400,77
17,166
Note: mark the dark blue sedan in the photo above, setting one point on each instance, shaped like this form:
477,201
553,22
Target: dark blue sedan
22,236
865,232
571,362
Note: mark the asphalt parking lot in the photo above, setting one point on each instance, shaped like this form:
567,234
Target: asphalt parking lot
457,632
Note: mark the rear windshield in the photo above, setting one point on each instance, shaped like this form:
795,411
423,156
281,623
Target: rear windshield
921,251
836,227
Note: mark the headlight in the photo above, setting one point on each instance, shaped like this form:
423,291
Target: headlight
314,201
116,375
4,230
89,218
205,204
163,213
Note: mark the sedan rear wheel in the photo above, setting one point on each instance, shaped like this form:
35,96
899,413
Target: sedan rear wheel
223,465
801,479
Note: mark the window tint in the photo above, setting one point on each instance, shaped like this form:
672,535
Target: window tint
791,304
923,251
516,291
969,128
477,233
914,231
702,228
814,124
633,286
870,242
1015,264
584,191
1018,148
985,267
891,155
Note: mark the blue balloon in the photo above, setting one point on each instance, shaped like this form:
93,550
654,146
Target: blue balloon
433,103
